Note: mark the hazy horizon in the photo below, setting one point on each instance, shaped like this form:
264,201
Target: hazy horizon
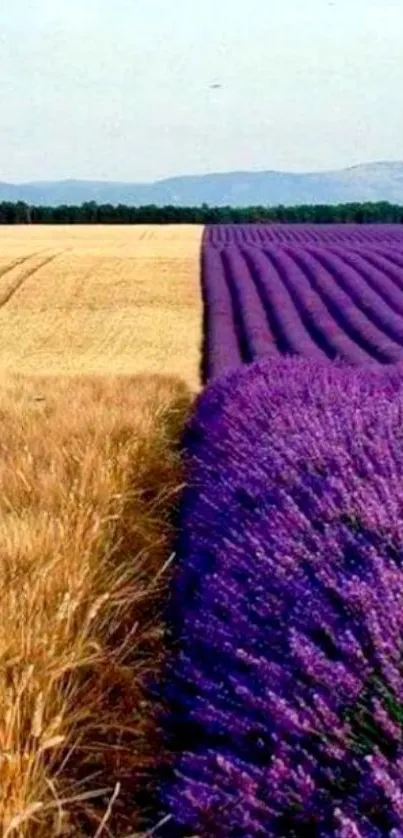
126,91
205,174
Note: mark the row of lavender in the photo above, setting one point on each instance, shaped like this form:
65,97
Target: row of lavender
285,688
286,685
332,292
344,234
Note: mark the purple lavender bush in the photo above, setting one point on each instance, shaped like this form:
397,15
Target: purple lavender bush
286,687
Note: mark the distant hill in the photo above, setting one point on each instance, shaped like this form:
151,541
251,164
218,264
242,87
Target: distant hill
381,181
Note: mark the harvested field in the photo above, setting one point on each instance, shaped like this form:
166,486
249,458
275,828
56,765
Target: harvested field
101,300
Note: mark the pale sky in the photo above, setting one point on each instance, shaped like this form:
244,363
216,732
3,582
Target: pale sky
120,89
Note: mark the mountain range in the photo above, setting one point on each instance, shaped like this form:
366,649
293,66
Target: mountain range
381,181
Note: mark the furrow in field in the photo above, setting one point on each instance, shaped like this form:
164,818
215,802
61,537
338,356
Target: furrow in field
381,263
282,313
387,285
316,312
350,320
351,281
323,234
257,336
322,333
394,257
238,310
14,286
221,345
11,266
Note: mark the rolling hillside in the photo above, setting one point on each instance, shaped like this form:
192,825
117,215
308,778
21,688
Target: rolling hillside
381,181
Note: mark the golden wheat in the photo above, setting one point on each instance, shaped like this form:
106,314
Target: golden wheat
89,473
101,300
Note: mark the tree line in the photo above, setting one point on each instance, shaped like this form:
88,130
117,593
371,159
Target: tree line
90,212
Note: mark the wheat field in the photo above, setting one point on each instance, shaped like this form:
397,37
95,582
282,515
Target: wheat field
102,299
100,333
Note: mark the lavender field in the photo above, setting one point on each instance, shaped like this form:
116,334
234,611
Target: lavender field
285,688
325,291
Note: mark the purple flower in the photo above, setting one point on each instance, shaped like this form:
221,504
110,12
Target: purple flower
286,685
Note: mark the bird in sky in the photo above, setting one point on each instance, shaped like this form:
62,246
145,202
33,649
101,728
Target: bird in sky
215,86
